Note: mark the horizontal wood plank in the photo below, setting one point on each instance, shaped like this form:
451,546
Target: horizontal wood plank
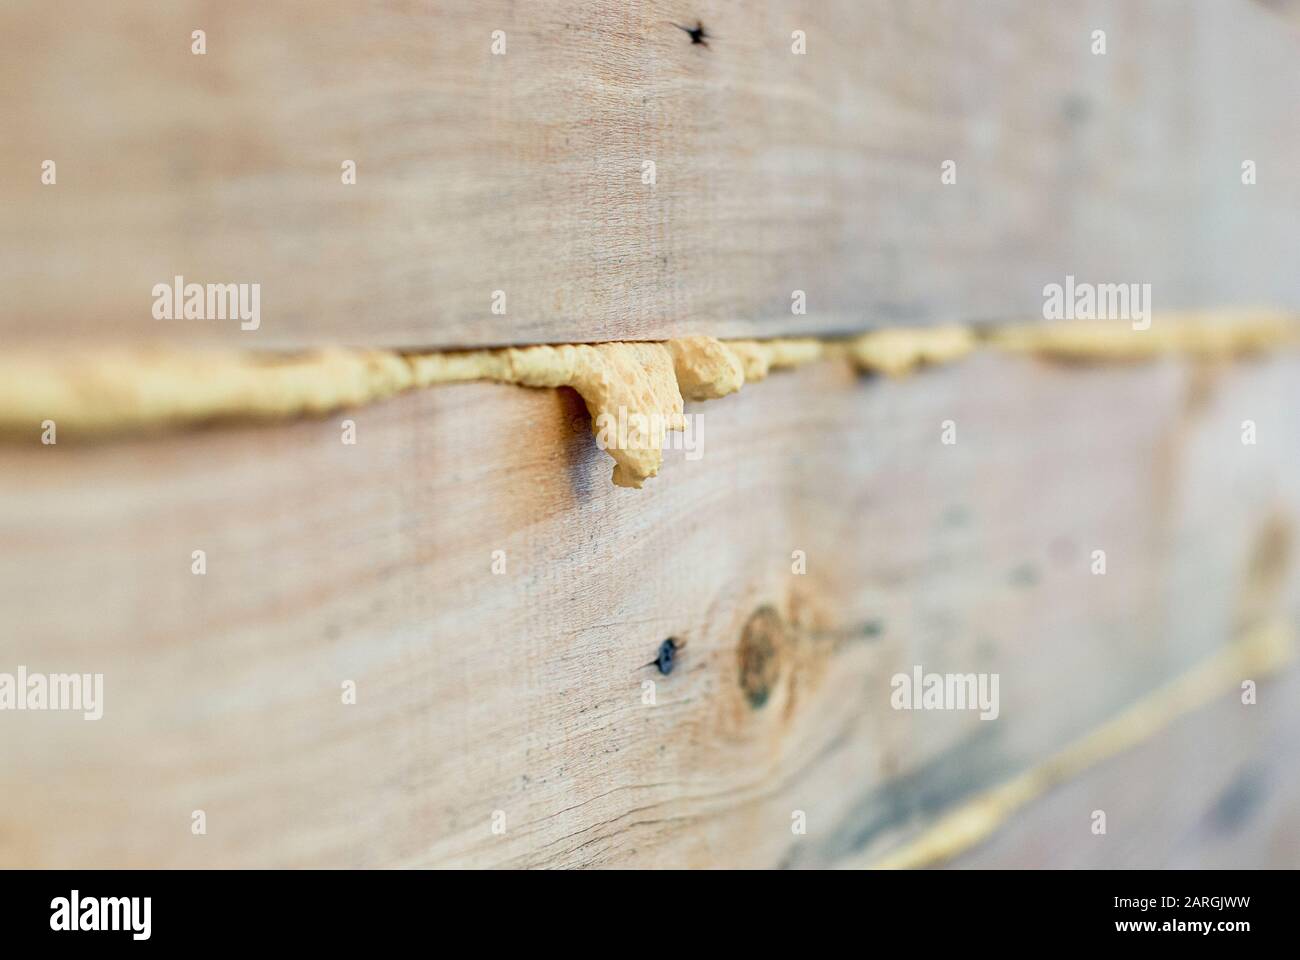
522,173
522,691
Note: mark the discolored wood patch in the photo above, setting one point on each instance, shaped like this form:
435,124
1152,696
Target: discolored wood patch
762,644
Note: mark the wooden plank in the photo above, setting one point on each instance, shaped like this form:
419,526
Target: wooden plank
521,692
775,172
1220,790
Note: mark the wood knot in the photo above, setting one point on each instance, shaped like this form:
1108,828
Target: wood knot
763,642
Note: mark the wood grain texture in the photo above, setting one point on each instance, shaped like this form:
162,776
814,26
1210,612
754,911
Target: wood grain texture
523,172
1220,790
522,692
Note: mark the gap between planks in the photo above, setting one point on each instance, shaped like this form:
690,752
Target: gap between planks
638,386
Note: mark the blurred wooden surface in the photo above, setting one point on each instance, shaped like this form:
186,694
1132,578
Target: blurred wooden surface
521,692
1219,790
523,173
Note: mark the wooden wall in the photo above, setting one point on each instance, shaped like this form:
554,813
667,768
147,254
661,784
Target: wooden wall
522,693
